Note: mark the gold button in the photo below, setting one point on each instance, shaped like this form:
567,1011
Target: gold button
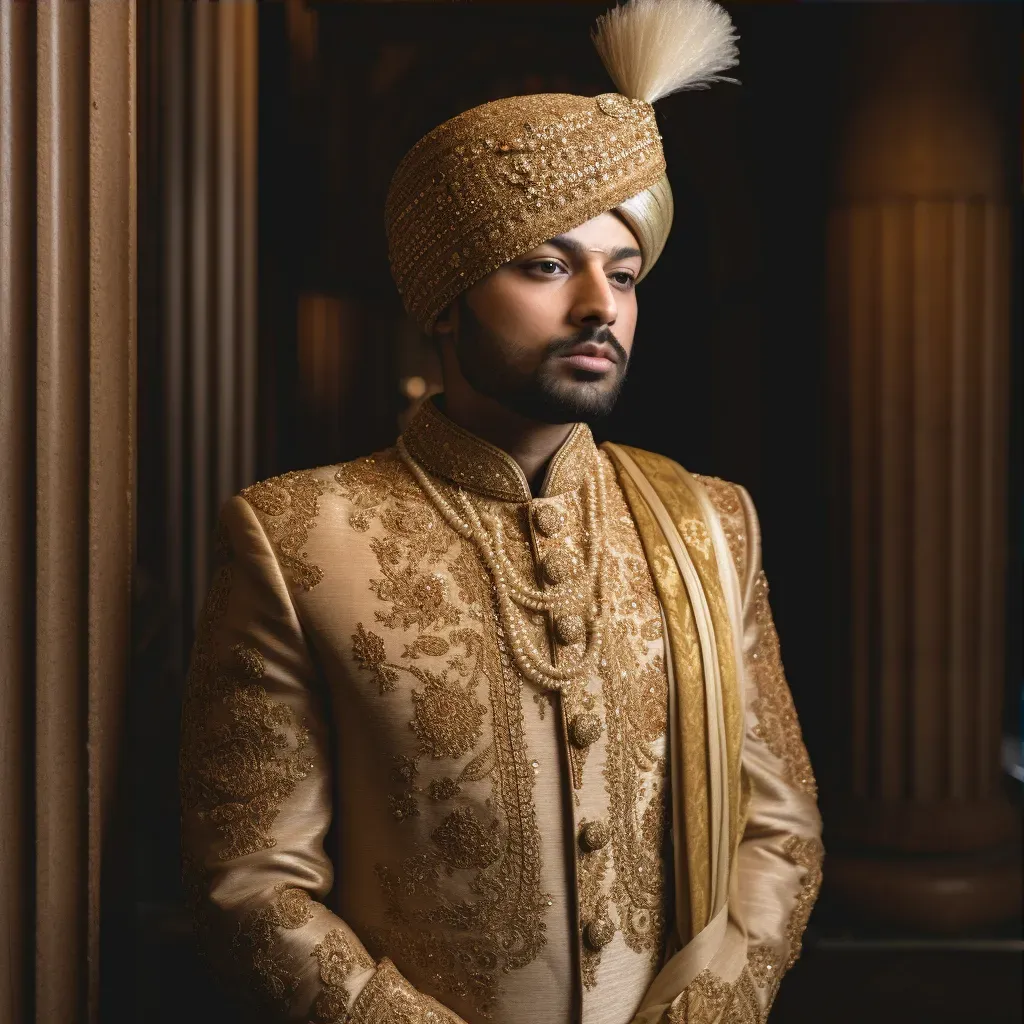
584,729
594,835
548,520
570,629
558,565
597,934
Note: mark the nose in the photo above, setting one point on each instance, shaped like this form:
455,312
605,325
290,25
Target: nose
594,302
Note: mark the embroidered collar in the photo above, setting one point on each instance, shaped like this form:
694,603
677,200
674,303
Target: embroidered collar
444,449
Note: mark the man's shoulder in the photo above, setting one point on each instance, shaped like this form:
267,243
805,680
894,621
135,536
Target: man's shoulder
353,491
316,508
727,497
730,500
304,488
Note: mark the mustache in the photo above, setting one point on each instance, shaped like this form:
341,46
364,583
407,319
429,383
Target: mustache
600,335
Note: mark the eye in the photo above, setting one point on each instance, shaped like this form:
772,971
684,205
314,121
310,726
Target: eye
624,278
548,268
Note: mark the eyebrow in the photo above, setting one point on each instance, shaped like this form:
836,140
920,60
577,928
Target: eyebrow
573,248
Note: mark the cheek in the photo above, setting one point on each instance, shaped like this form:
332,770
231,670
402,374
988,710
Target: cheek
526,317
625,321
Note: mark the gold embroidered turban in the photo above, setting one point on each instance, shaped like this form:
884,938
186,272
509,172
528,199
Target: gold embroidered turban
500,179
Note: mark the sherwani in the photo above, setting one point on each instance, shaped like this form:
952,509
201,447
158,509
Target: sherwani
384,819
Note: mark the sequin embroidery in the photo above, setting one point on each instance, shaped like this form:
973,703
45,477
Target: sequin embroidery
388,998
255,948
440,666
243,753
337,958
776,716
808,852
287,507
730,512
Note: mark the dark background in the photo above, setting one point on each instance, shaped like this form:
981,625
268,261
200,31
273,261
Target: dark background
731,376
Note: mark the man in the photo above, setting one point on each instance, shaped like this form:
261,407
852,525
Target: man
492,726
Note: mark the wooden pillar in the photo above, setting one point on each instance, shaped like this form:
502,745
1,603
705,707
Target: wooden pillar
920,254
201,231
67,412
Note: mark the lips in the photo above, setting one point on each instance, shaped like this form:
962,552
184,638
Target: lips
592,357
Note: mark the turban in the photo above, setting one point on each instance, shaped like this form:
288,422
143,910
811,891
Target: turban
498,180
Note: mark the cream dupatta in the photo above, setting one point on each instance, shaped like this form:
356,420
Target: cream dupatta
699,592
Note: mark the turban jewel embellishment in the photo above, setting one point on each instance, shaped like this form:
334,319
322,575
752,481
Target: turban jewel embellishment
496,181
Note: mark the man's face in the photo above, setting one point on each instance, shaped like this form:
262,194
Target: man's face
548,335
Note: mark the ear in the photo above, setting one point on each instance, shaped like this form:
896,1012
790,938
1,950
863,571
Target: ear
447,322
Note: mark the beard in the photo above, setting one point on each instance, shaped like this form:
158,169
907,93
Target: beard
543,394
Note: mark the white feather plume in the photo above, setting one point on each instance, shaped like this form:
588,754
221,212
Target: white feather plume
652,48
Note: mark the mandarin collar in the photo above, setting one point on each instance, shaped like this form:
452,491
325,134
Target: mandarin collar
445,449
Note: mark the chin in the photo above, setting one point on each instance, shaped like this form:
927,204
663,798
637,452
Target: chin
583,388
568,402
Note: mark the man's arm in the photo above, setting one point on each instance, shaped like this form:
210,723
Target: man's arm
778,870
256,803
730,972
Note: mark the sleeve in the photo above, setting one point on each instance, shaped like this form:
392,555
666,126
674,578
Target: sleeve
778,869
256,804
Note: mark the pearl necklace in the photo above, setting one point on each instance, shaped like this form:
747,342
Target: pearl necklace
515,596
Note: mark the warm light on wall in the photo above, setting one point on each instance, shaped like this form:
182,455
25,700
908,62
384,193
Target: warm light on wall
327,333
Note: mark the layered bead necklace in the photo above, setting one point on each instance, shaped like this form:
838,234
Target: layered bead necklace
564,600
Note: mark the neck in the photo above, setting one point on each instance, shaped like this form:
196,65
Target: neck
529,442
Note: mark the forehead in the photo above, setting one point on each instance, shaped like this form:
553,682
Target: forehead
606,231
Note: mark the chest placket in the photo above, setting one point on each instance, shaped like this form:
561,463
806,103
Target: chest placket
580,728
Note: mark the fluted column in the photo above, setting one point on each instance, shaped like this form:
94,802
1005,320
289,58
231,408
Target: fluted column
920,253
67,348
202,233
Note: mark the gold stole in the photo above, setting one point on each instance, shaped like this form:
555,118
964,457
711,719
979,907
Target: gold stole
698,589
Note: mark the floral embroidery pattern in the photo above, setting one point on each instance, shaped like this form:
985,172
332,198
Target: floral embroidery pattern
425,644
448,720
368,650
776,716
635,695
416,598
389,999
809,853
367,483
434,646
746,1006
243,753
764,963
443,789
465,944
710,1000
337,958
695,533
726,501
703,1002
592,869
254,948
287,507
403,805
464,842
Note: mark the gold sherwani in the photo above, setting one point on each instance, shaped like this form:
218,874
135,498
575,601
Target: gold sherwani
385,820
